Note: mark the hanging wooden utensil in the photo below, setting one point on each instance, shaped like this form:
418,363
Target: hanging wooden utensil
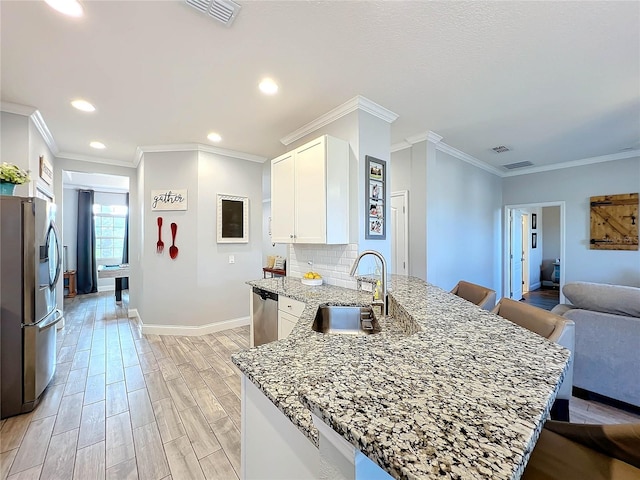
160,244
173,250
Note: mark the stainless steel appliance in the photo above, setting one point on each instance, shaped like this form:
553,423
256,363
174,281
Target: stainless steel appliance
265,316
31,261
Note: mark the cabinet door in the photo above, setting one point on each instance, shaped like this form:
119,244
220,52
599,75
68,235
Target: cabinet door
286,323
310,193
282,199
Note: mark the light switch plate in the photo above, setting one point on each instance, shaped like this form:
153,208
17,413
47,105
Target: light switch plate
232,259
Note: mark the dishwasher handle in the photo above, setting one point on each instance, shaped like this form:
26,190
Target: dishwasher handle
265,295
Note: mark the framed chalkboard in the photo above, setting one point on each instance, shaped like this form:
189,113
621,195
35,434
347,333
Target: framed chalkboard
233,219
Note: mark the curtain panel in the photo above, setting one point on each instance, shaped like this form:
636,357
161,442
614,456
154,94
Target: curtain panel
87,273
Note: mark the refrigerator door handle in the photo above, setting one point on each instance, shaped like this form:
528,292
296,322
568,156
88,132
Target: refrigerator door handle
59,259
51,321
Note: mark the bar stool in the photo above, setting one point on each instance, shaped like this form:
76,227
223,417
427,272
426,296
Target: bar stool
484,297
552,327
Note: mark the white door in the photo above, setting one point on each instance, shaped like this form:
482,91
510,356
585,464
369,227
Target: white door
399,234
516,254
526,253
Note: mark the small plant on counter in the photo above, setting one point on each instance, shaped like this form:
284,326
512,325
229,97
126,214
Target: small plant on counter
10,173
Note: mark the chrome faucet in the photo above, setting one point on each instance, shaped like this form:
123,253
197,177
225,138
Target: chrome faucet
383,280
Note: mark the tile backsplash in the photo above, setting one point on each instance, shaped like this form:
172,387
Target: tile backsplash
333,262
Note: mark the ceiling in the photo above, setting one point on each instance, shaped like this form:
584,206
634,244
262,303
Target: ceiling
552,81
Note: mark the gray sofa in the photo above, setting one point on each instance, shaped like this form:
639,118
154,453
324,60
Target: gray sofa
607,336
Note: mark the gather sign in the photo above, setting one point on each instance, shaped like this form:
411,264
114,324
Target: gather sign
169,199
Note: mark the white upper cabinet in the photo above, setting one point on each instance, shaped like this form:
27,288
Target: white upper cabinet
310,193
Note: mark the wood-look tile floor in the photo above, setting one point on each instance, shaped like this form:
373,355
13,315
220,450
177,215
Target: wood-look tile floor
125,406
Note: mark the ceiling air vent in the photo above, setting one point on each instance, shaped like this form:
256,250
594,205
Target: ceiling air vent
500,149
224,11
511,166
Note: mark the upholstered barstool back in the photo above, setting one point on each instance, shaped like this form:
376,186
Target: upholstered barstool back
568,451
550,326
484,297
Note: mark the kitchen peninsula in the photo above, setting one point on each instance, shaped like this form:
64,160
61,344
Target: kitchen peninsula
446,390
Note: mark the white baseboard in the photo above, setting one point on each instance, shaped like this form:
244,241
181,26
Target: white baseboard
133,313
106,288
189,331
534,286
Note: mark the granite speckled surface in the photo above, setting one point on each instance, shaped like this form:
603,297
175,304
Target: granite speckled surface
445,391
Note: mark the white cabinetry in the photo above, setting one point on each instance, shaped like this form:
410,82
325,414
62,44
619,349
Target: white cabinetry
289,311
310,193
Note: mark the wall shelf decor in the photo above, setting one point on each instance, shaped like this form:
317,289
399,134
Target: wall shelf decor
233,219
614,222
375,191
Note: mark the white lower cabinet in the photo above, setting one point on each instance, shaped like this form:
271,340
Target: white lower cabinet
273,447
289,311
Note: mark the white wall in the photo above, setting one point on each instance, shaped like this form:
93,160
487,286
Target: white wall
574,186
551,232
70,226
37,148
454,217
465,241
199,287
14,147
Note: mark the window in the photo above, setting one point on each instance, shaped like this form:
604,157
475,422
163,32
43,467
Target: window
110,227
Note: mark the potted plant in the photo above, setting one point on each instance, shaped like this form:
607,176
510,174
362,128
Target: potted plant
10,176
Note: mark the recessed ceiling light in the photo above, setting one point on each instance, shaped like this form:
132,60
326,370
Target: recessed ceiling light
83,105
72,8
268,86
214,137
98,145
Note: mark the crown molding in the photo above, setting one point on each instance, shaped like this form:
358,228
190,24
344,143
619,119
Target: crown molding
573,163
465,157
24,110
38,121
195,147
89,158
396,147
356,103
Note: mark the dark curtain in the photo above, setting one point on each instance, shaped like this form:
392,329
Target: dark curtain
125,248
86,275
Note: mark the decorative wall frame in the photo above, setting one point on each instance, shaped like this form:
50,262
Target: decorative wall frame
614,222
534,221
375,198
168,199
233,219
534,240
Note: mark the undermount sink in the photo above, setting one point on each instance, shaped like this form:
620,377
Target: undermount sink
345,320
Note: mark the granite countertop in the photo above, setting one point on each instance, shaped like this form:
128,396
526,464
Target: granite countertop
446,390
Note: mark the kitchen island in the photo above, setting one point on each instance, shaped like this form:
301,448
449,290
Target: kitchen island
446,390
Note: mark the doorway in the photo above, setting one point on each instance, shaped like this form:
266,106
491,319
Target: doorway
524,244
400,232
110,214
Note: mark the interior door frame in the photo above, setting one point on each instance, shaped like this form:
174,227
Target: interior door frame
405,195
506,271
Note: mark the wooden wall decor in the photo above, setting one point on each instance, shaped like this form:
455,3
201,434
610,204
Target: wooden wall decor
614,222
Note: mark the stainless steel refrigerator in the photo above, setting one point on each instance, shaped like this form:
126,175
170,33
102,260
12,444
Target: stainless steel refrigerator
31,261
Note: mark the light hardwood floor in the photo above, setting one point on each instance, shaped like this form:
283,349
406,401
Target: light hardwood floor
125,406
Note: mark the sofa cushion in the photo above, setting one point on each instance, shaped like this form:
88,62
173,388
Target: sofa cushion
600,297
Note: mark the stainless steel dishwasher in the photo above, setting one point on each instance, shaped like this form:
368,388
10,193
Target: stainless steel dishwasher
265,316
